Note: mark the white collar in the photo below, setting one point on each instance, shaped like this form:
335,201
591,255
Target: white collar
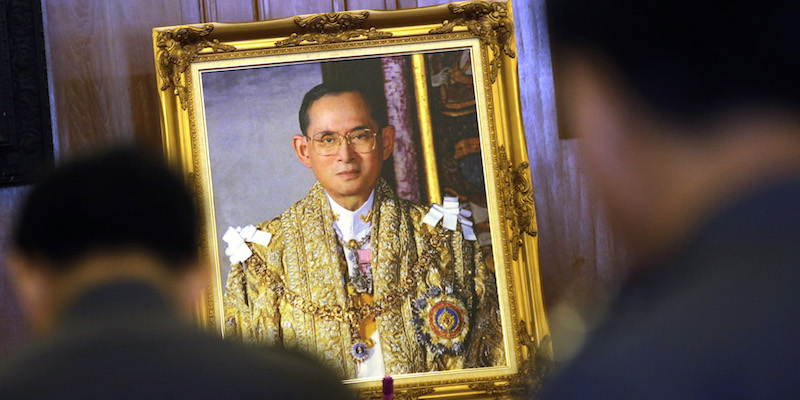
351,224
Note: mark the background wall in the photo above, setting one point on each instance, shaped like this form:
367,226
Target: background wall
237,104
104,92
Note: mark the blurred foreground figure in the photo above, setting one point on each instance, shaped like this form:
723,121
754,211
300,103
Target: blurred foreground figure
688,118
105,261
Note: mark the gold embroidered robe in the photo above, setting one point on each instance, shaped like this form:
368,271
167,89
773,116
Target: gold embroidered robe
277,295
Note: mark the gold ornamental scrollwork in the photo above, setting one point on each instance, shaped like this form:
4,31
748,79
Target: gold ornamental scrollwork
332,28
490,23
177,49
399,394
533,370
516,193
412,394
491,389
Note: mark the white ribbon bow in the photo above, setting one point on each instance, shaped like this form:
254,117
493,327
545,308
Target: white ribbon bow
452,215
237,249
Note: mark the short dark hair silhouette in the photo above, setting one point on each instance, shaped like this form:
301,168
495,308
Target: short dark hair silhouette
690,59
121,199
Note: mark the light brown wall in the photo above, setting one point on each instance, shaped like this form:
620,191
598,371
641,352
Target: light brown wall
104,89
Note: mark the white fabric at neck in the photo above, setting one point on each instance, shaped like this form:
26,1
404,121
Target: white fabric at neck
350,224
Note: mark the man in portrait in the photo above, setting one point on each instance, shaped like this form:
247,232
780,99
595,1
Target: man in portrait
371,283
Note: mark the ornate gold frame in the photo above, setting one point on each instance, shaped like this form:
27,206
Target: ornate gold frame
182,52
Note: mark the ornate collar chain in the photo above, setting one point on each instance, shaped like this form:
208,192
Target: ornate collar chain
361,281
357,254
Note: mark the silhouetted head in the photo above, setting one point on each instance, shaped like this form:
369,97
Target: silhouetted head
117,200
689,60
679,108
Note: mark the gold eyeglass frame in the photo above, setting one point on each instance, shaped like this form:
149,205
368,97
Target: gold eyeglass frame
346,138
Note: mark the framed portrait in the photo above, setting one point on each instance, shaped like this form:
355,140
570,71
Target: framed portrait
365,193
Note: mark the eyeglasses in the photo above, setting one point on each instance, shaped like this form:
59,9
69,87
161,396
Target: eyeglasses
362,140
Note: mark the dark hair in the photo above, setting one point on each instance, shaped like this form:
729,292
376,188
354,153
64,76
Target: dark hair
374,99
116,200
687,59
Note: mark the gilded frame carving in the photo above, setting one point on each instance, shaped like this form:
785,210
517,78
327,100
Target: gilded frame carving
183,53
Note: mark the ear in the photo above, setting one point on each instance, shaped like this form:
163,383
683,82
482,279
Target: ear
597,104
300,144
387,141
35,288
28,277
192,281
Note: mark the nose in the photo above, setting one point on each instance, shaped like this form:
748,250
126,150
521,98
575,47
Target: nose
346,152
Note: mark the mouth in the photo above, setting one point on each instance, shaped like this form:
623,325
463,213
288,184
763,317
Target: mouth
348,174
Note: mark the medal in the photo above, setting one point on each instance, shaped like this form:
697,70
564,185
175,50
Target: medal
359,351
361,281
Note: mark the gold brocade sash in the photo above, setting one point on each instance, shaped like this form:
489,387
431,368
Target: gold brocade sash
312,269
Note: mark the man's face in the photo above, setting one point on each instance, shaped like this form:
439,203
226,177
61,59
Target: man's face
346,175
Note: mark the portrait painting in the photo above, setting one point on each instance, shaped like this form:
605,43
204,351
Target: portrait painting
251,119
354,206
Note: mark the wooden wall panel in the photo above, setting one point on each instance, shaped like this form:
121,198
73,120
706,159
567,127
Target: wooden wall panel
228,11
282,9
408,4
103,70
373,5
191,12
425,3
